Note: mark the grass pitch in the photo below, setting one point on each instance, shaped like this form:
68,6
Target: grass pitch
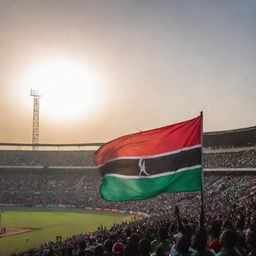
49,223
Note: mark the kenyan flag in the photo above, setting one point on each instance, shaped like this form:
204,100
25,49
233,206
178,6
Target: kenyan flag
145,164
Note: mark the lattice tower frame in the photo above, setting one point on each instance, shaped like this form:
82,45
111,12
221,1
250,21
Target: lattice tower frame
35,130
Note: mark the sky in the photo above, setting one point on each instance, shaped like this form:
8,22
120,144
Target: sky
143,64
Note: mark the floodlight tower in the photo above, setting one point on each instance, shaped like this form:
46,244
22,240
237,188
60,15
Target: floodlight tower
35,132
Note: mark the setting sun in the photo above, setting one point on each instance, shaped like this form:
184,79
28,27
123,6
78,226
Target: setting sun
69,89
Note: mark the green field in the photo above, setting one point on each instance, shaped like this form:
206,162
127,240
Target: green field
59,221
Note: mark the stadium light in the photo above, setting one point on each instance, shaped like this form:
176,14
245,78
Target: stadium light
35,130
35,93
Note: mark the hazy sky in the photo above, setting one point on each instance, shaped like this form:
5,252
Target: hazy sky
158,62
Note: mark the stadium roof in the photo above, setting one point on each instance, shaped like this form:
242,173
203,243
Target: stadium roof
242,137
252,128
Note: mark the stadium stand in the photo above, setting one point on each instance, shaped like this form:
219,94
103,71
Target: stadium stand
240,159
45,159
52,178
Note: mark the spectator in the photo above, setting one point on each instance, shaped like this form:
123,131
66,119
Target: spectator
98,250
182,247
199,242
228,240
162,238
107,246
215,230
118,249
144,247
251,242
131,249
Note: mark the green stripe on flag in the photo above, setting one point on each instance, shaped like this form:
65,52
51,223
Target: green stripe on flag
115,188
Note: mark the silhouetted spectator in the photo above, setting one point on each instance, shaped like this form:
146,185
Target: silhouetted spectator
144,247
228,240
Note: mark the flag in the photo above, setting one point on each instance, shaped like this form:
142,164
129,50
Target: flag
145,164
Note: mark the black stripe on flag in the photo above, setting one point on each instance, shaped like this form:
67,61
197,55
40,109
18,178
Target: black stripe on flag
152,166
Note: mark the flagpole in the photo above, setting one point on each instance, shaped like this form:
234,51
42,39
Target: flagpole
202,176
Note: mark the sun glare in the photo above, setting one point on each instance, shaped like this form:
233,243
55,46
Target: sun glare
68,89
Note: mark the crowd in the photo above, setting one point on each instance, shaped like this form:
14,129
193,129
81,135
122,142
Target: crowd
241,159
80,189
46,158
174,225
177,232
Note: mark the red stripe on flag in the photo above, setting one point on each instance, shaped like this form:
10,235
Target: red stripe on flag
152,142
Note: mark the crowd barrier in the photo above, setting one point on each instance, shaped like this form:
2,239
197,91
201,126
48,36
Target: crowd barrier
73,206
115,210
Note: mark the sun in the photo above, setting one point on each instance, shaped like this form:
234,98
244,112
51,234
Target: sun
68,89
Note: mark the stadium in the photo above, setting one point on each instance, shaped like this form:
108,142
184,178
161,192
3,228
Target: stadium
50,203
127,128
